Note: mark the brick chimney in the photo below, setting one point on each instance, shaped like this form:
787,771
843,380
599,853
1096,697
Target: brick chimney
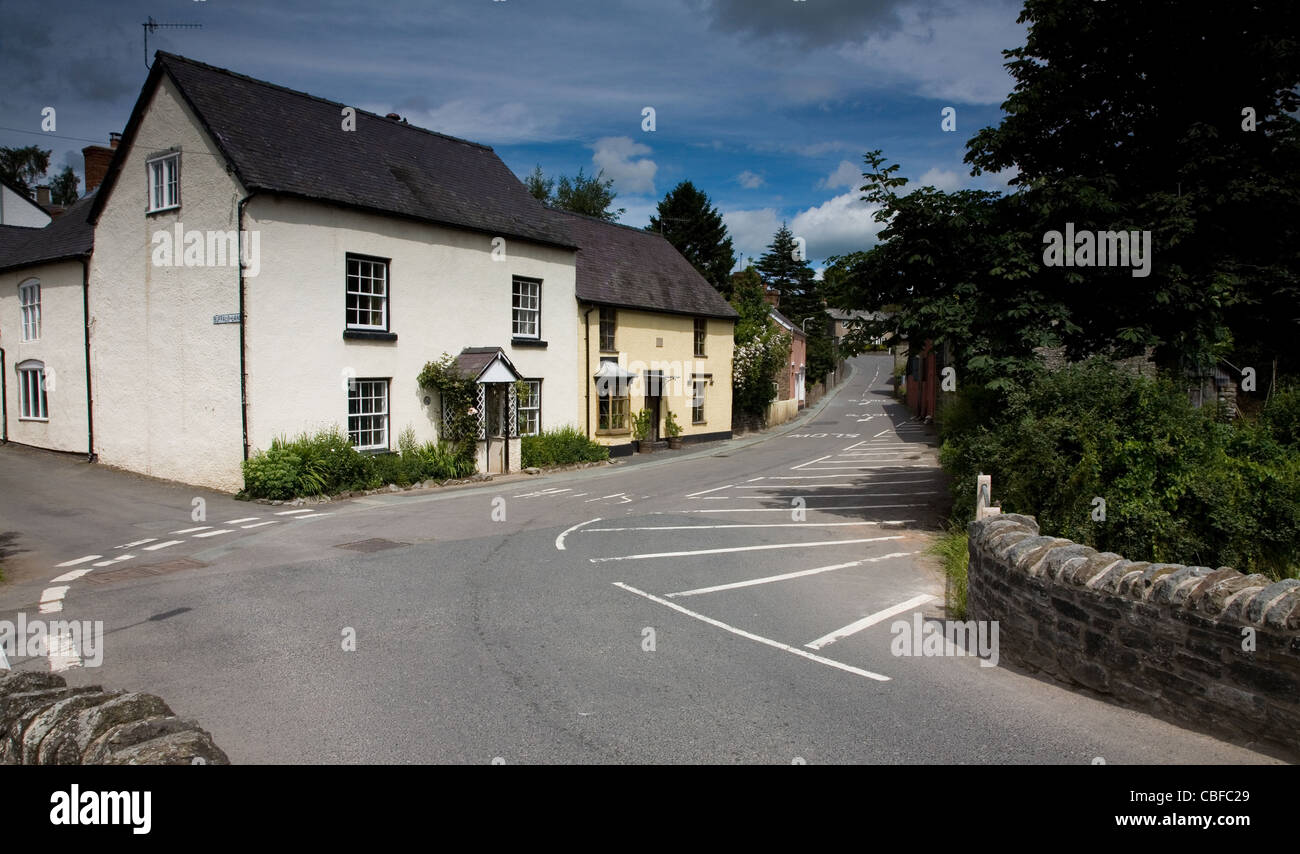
43,195
97,160
773,297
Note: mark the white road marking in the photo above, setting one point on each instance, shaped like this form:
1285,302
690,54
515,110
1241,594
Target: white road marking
736,525
212,533
259,524
858,625
85,559
707,491
825,476
192,530
579,495
290,513
787,509
70,576
829,662
113,560
61,651
554,490
622,495
136,543
312,516
245,519
786,575
767,547
52,599
881,433
810,462
158,546
559,541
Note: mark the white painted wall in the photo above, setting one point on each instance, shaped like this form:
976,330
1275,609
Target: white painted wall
165,378
61,346
446,293
16,210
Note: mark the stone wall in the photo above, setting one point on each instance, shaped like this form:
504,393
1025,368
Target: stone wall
1209,648
44,722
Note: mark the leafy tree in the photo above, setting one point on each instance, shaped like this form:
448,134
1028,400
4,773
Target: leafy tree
785,269
748,298
63,189
541,187
24,166
1136,116
581,194
690,223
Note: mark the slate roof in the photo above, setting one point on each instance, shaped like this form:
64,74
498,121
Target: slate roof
788,323
473,361
285,142
631,268
69,237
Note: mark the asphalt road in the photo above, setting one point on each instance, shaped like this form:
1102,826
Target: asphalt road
731,604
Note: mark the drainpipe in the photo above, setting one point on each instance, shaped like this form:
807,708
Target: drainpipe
243,376
586,328
4,399
91,456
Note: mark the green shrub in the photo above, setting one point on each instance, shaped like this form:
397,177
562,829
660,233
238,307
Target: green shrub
1179,485
272,474
437,461
560,447
329,462
953,551
391,468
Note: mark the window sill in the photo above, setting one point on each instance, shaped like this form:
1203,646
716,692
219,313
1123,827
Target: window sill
37,420
613,432
156,211
609,352
368,335
528,342
699,423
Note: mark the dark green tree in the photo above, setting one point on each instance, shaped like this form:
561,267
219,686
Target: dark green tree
582,194
63,189
541,187
23,167
1137,115
692,224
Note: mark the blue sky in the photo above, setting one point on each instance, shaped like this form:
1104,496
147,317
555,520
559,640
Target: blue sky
766,105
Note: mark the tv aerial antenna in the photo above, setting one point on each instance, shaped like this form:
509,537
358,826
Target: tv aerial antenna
151,25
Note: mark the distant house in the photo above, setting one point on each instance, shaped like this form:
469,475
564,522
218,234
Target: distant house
654,334
260,262
843,322
791,384
20,210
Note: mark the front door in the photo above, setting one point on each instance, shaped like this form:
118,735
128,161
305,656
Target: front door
495,424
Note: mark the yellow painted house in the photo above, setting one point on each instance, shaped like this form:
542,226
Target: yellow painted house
653,334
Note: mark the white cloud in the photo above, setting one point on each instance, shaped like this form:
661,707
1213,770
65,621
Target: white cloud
750,180
847,174
614,155
941,179
493,124
837,226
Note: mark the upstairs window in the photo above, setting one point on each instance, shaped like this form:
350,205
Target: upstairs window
29,300
367,288
701,332
526,302
31,391
608,323
164,182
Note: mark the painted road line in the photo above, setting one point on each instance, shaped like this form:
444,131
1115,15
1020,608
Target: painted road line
62,651
212,533
810,462
85,559
787,575
859,625
158,546
73,575
559,541
312,516
118,559
578,495
881,433
839,495
768,547
245,519
736,525
136,543
829,662
259,524
192,530
858,484
293,512
707,491
52,599
603,497
787,509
